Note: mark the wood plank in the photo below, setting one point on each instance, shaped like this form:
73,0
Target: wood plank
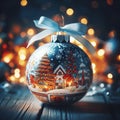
84,110
19,104
114,105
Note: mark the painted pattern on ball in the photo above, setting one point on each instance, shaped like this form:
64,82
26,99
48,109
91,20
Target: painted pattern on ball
59,73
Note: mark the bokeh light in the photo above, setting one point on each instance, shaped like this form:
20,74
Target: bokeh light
8,57
4,46
17,73
1,40
109,2
23,3
12,78
69,11
23,34
118,57
110,75
22,79
101,52
30,32
84,21
112,34
91,31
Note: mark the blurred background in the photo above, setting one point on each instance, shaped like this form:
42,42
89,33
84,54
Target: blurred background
101,16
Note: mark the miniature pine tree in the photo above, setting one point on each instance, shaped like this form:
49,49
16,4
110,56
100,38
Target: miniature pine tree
44,73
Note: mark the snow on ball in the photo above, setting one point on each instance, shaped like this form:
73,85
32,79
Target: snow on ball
59,73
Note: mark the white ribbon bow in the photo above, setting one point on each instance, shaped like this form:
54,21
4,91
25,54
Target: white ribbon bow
75,30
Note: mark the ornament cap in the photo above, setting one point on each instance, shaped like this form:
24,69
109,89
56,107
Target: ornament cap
60,38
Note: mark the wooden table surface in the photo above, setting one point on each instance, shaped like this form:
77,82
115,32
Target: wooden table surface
19,104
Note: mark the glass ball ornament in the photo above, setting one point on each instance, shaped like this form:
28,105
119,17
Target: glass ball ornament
59,72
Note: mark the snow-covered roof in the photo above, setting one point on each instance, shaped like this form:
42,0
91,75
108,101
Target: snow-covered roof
82,65
59,67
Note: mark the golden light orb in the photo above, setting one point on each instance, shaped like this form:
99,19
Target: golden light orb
22,53
101,52
12,78
84,21
30,32
91,31
8,57
22,56
69,11
17,75
110,75
23,3
17,70
22,79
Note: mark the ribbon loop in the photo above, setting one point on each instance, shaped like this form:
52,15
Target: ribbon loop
75,30
46,23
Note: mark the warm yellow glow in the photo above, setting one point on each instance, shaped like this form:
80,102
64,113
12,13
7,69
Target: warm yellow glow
118,57
69,83
93,43
72,39
46,86
69,11
8,58
101,52
17,73
110,75
1,40
17,70
94,68
22,53
41,43
23,3
93,65
81,46
22,79
91,31
84,21
22,57
94,71
30,32
12,78
22,62
31,49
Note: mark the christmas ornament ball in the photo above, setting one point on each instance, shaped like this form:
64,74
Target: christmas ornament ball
59,72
